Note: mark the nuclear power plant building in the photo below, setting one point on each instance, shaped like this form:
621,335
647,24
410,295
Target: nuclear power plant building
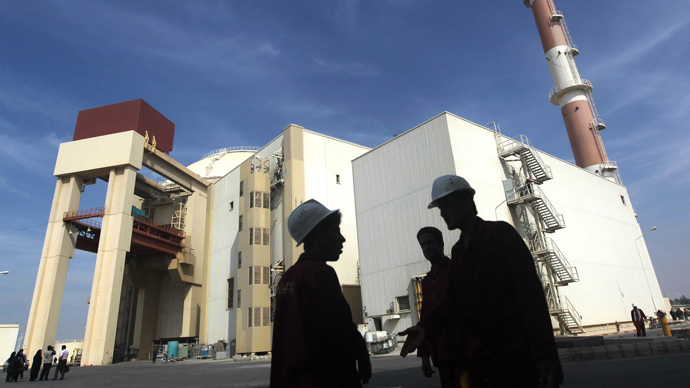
580,226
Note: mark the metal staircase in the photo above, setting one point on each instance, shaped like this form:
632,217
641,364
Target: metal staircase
521,147
569,317
523,190
547,252
530,193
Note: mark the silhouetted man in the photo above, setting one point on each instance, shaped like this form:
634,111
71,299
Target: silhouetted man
491,266
315,342
448,353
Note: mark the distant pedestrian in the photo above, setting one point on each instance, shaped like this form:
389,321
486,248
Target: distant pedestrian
62,363
315,342
36,365
638,317
618,327
11,365
47,363
673,314
155,355
21,359
679,314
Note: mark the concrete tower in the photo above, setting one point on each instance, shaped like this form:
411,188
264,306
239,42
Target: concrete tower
572,93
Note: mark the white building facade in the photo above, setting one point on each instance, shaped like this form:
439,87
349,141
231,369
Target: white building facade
581,228
250,246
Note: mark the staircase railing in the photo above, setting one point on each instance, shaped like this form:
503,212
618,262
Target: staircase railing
568,308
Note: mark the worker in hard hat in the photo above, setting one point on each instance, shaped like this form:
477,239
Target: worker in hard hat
315,342
638,317
491,266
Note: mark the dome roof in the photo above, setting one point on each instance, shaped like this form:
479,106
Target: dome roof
217,163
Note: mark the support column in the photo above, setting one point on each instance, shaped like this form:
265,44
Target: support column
58,248
115,242
146,320
293,152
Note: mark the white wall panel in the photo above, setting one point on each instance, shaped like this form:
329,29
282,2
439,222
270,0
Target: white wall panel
324,158
223,261
392,191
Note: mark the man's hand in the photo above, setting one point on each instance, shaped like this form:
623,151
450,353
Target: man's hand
550,373
364,368
426,367
415,337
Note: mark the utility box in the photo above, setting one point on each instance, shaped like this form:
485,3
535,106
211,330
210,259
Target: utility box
135,115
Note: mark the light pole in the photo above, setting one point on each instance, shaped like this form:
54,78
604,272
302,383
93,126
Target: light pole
641,264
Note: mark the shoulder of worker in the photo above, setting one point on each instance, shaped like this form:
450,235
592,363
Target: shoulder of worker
496,225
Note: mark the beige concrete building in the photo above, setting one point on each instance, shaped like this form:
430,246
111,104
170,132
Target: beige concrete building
191,258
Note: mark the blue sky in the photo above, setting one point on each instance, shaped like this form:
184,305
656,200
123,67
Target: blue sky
232,73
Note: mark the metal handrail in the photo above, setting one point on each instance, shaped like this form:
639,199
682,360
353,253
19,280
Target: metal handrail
566,306
570,84
84,213
572,271
530,190
512,144
230,149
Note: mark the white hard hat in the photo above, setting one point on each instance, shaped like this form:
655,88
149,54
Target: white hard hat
305,217
445,185
634,305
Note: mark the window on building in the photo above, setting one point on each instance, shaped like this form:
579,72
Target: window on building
251,275
239,227
337,178
251,200
403,303
232,205
257,316
257,275
249,316
231,292
258,196
239,259
241,188
267,275
623,199
266,317
266,235
239,298
257,235
267,201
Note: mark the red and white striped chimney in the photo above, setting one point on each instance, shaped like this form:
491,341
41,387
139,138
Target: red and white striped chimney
572,93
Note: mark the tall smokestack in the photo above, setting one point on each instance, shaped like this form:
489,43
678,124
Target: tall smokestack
572,93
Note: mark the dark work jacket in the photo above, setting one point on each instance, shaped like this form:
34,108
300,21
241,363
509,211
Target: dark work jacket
315,342
451,345
497,271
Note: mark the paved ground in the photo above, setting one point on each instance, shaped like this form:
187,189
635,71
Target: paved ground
389,372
